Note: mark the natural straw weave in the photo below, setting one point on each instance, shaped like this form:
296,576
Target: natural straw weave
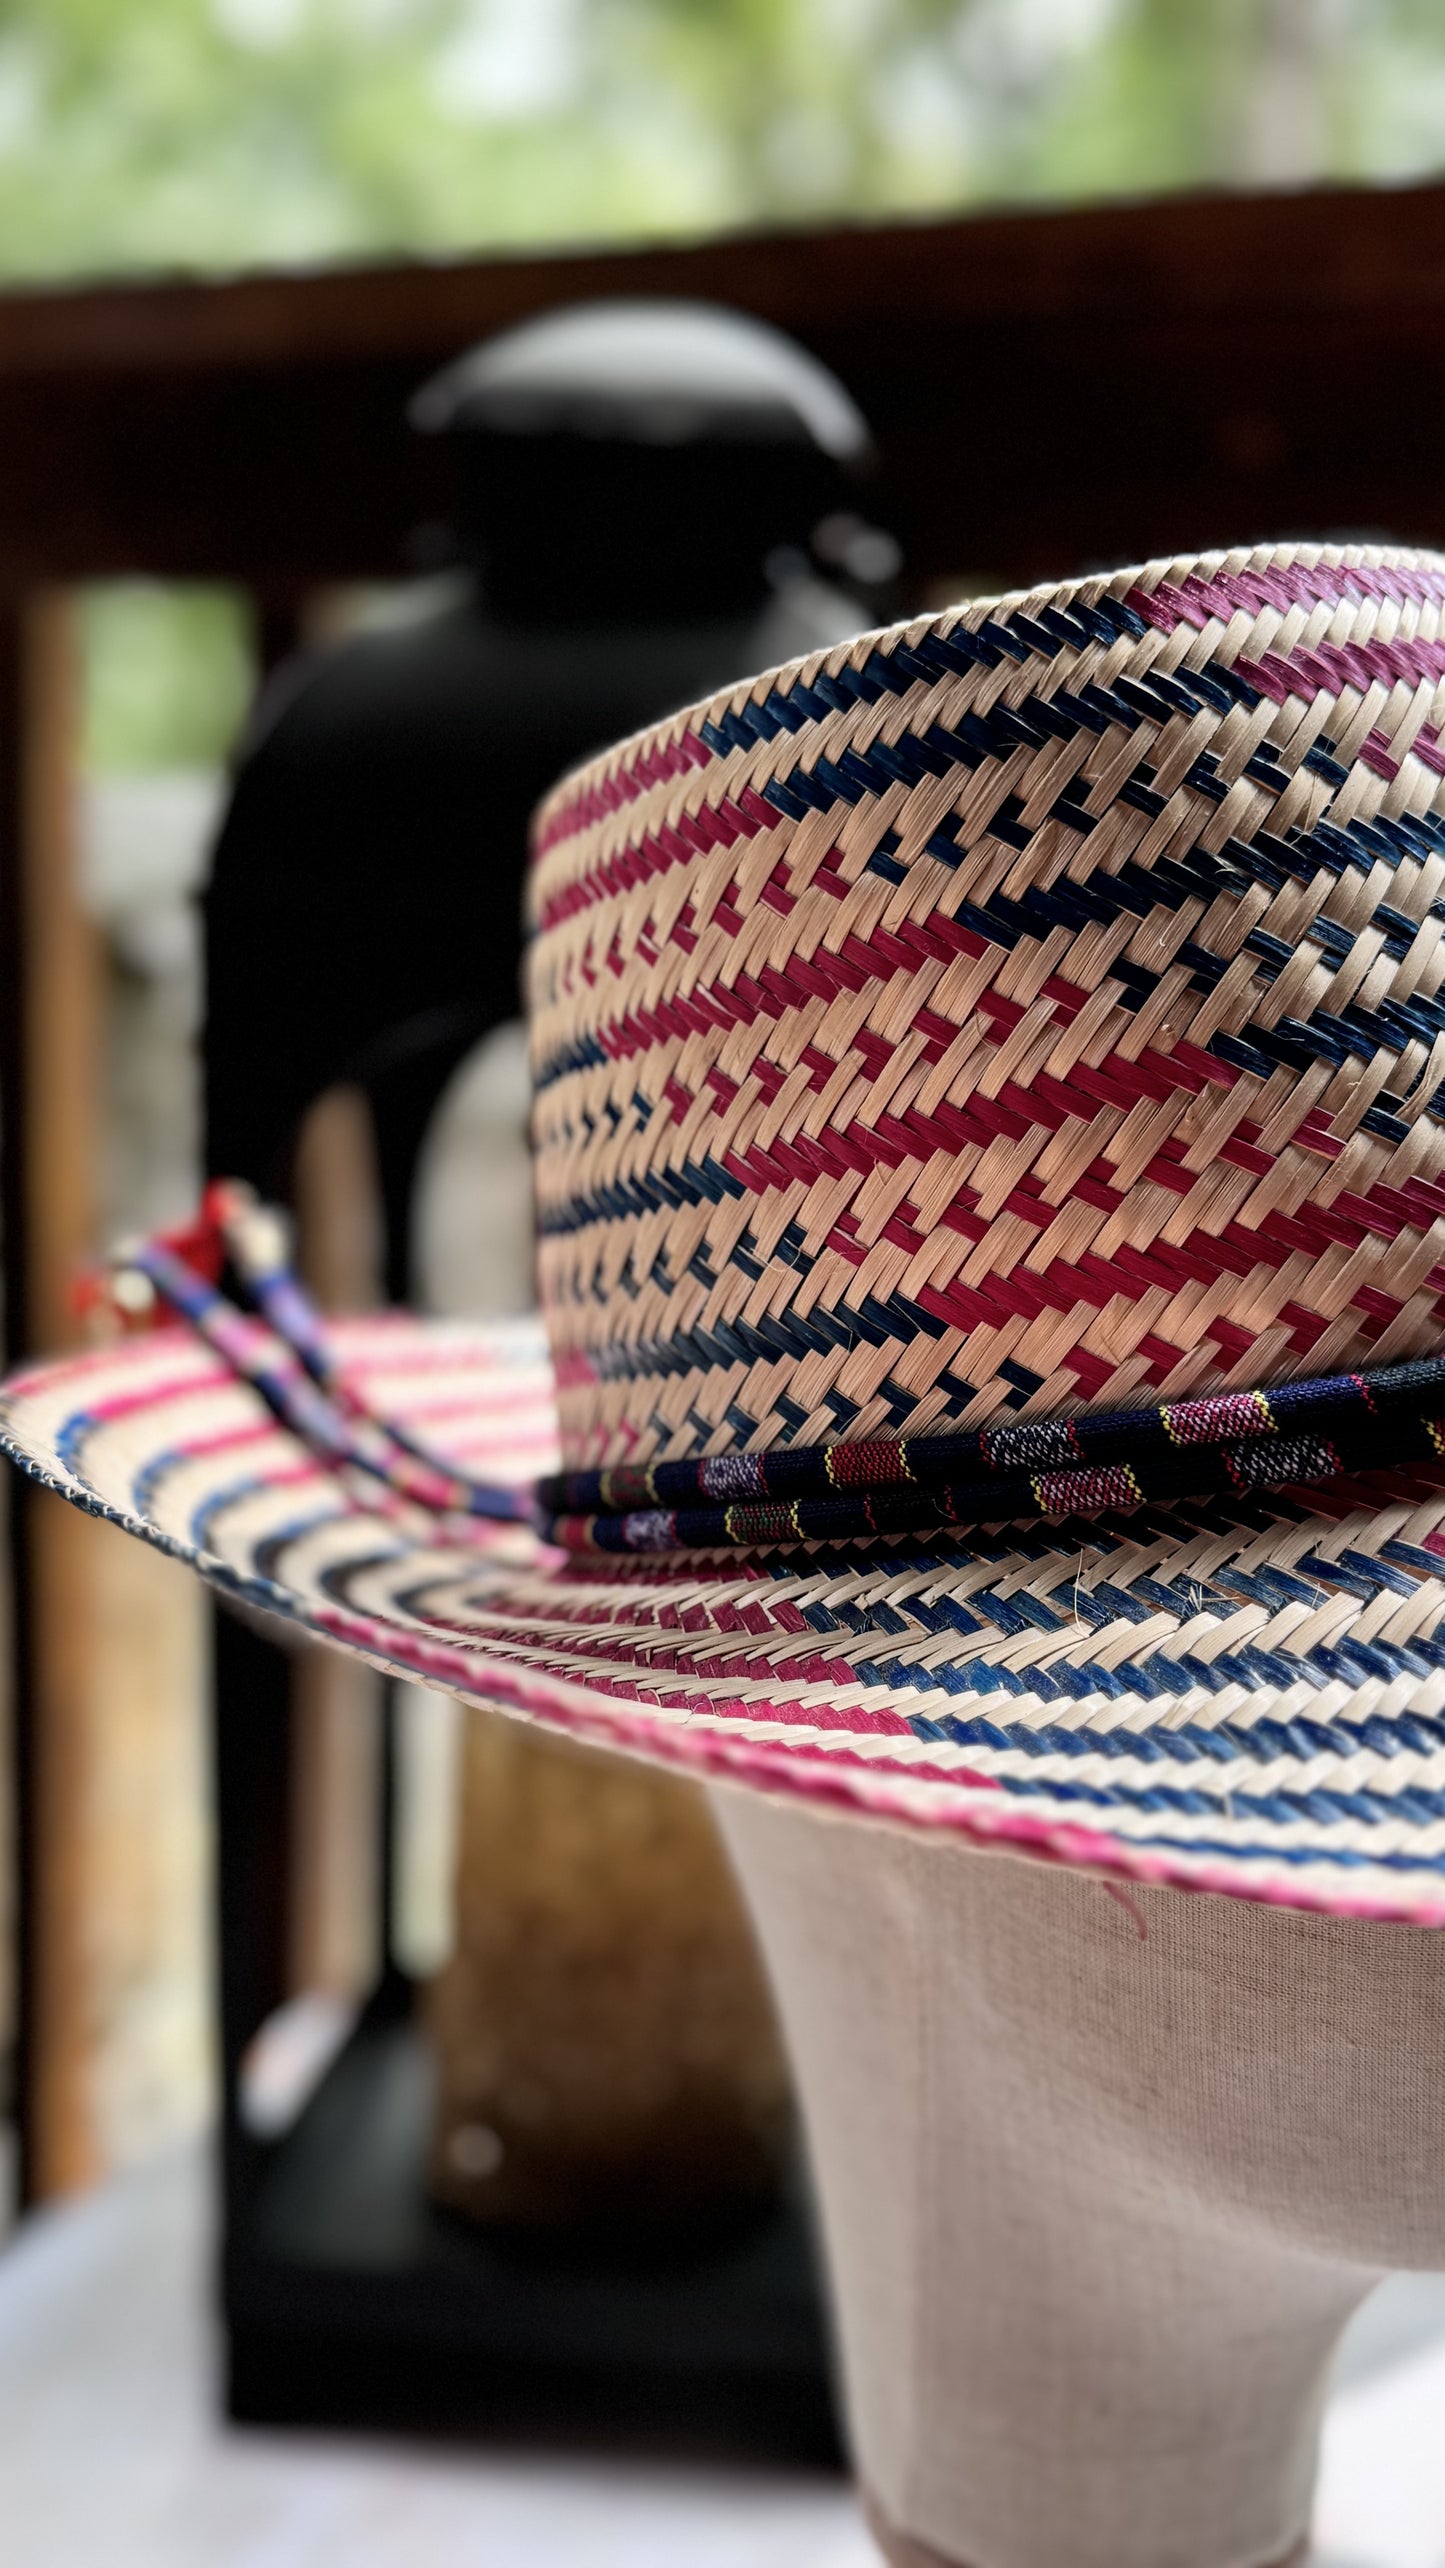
1013,1013
1028,1011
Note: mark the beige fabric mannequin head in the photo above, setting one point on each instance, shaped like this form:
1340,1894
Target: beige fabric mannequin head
1101,2181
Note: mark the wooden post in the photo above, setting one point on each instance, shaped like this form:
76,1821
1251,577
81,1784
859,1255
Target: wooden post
339,1821
49,1099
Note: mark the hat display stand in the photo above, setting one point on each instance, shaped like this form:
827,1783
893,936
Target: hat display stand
1102,2179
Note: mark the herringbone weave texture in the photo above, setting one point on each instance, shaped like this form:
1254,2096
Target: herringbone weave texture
1011,1014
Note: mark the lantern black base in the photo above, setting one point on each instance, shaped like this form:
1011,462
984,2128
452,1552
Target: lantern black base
351,2300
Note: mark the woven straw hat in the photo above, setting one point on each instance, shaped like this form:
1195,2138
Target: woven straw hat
990,1143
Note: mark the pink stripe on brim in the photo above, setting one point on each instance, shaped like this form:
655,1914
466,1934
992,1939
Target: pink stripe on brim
826,1786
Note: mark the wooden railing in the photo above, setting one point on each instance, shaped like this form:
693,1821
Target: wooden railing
1048,391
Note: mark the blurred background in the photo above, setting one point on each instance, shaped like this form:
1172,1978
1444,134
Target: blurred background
150,138
152,147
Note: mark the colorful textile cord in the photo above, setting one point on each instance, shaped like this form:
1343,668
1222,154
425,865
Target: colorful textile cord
1296,1434
289,1358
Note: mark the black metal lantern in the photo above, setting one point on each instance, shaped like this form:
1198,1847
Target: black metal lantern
648,497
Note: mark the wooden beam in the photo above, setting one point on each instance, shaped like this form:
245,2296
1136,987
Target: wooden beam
1332,251
1047,388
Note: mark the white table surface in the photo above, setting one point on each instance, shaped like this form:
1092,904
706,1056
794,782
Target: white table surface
111,2455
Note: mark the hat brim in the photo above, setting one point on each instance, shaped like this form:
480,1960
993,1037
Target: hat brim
1248,1701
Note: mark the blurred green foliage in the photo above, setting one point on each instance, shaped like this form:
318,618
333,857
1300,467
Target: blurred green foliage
167,675
205,135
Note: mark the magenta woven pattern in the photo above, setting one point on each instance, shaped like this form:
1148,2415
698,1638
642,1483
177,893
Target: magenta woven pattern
1030,1009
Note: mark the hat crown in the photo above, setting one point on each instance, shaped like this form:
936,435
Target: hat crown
1033,1008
